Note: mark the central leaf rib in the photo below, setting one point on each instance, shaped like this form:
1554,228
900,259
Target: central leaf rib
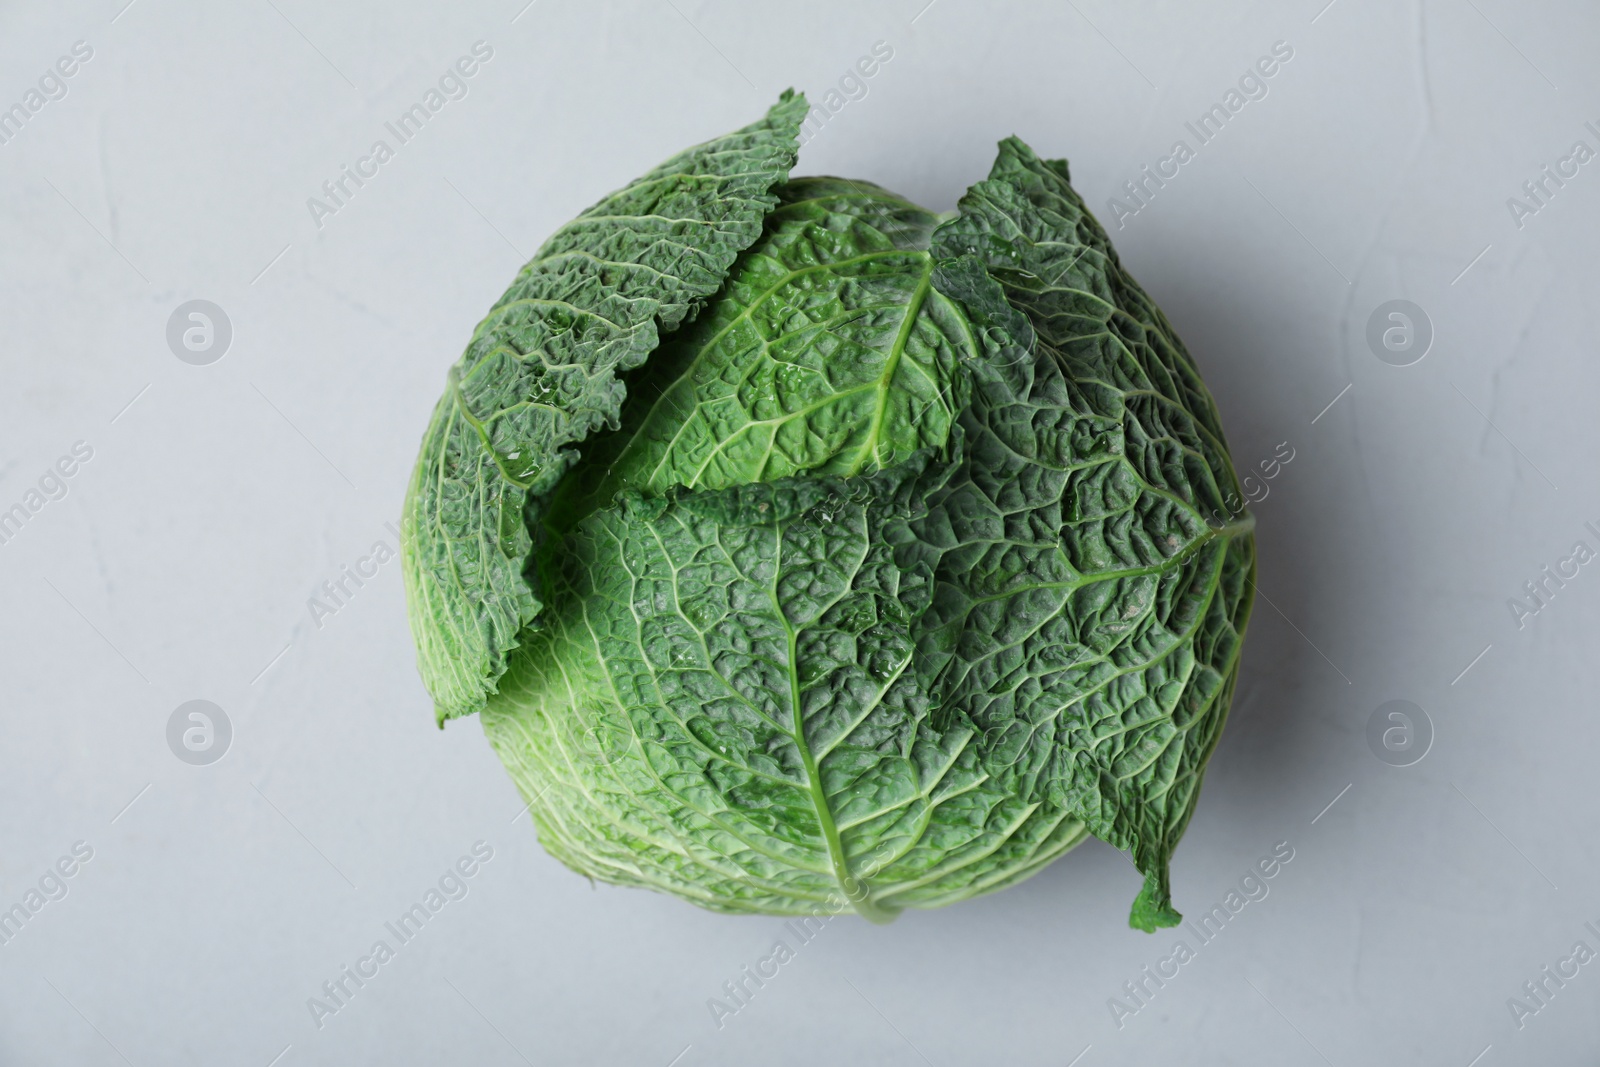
857,891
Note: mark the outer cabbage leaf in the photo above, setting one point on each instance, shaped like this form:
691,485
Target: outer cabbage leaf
828,352
1088,618
540,375
722,704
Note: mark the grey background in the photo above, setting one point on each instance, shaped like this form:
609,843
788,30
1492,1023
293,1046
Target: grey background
219,898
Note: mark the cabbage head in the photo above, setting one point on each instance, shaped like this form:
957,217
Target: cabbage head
799,548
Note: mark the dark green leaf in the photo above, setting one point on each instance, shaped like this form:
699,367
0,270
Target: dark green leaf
1089,618
540,375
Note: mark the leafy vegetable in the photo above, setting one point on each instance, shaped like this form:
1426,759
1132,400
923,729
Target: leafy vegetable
883,570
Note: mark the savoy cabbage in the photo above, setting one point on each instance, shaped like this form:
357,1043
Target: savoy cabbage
792,541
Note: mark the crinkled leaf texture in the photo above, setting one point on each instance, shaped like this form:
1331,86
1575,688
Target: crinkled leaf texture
905,565
1092,618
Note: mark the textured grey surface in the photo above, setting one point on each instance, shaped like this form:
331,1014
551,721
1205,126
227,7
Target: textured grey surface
179,564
